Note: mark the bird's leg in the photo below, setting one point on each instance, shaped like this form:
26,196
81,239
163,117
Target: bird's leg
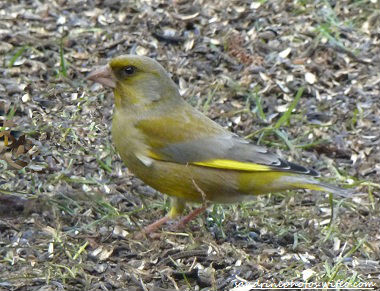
155,225
190,216
176,209
195,212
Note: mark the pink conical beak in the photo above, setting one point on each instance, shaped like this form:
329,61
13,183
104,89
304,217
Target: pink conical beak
104,76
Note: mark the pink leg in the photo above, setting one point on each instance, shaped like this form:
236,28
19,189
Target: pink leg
153,226
190,216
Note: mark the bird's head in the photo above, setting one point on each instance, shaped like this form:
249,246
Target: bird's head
136,80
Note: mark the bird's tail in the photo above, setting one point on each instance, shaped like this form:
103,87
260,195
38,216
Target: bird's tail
304,182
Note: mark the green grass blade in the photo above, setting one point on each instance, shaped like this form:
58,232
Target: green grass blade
62,62
18,53
259,107
286,116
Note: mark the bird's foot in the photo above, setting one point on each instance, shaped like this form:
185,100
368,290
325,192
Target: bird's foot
150,230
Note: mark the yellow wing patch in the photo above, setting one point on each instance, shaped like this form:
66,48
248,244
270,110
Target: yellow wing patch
223,164
233,165
153,155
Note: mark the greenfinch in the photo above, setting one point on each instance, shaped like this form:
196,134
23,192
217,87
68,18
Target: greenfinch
177,150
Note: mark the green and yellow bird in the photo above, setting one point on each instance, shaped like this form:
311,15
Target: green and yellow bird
179,151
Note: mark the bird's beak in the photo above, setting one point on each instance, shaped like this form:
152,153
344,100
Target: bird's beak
104,76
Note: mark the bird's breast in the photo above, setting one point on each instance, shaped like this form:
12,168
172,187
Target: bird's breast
129,141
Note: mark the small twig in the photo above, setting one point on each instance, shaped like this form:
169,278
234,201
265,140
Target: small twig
143,285
203,194
138,281
173,281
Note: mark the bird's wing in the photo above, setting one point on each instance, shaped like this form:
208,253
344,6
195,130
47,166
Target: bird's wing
226,152
215,149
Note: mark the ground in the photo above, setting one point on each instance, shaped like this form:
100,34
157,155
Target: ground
300,77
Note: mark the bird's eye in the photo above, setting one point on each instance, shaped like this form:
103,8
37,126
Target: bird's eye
128,70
